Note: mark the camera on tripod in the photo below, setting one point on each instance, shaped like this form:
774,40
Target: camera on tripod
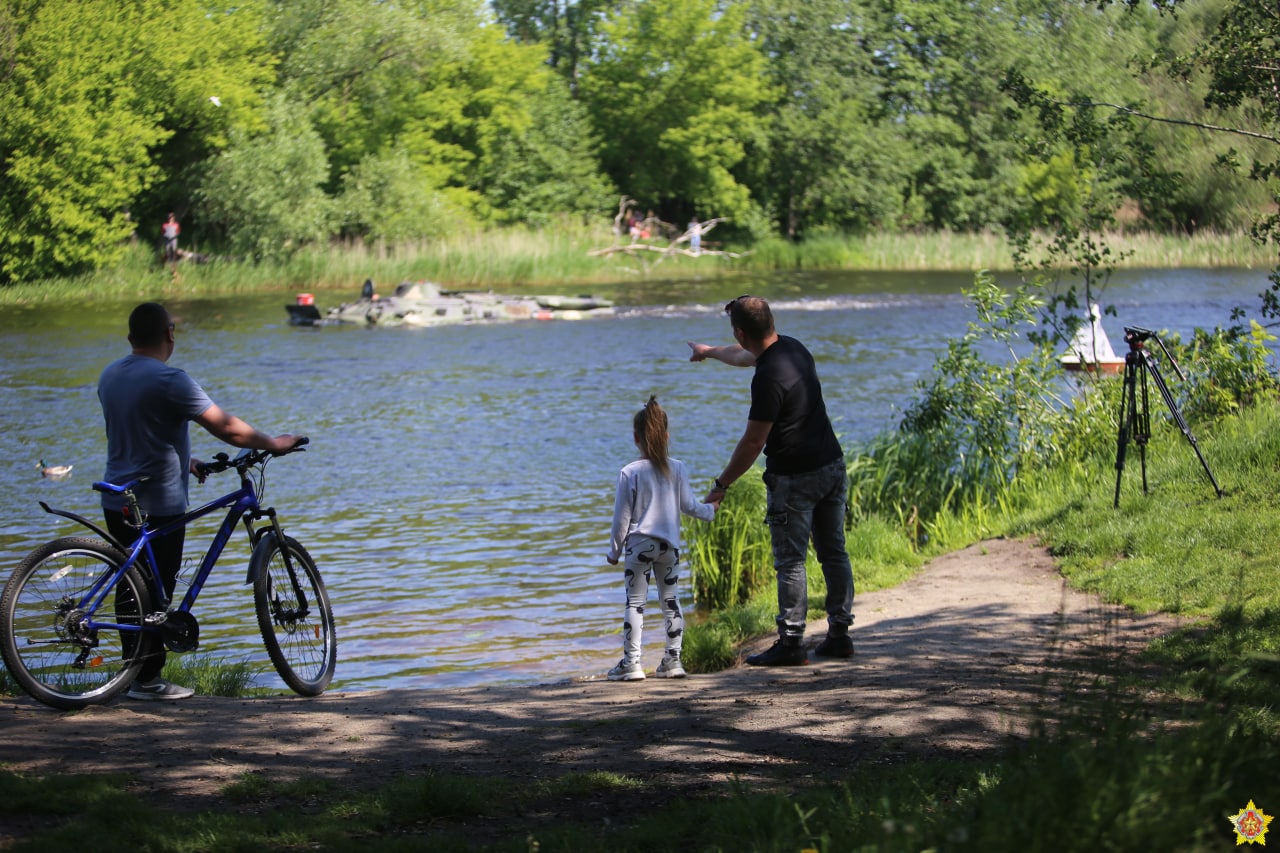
1135,415
1136,335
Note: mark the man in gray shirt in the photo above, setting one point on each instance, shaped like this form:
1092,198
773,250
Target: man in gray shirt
146,405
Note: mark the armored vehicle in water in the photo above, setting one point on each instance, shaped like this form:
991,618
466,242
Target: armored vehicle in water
424,303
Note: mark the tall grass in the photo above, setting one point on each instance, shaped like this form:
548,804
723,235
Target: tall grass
210,676
733,576
895,476
731,556
560,259
207,675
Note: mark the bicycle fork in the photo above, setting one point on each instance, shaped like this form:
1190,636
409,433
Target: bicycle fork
279,612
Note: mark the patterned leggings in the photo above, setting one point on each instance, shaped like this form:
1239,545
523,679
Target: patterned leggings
645,560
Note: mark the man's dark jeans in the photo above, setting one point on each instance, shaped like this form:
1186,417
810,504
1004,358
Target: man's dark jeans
168,553
804,507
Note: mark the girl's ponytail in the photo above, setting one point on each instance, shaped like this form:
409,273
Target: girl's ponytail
650,426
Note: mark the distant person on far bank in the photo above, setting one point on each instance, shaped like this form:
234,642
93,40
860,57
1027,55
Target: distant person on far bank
169,232
651,494
805,479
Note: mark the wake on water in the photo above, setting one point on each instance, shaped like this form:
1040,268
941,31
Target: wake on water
842,302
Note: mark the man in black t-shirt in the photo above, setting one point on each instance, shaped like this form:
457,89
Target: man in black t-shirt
805,477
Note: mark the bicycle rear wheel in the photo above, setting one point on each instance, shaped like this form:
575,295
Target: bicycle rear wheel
295,618
44,641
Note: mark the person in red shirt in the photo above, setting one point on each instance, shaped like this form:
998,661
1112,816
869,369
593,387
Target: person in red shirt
169,232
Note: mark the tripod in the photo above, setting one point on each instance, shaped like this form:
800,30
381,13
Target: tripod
1135,416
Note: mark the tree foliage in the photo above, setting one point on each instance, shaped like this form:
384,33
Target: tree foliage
677,96
1225,51
265,191
566,27
550,169
835,164
1239,59
474,127
99,99
387,198
403,121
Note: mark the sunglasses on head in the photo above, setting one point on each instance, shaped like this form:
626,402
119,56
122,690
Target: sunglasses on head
732,302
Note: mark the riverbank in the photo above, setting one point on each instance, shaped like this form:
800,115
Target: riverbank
953,665
560,261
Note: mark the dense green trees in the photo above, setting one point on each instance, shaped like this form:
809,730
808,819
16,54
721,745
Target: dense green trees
104,105
677,87
835,163
270,124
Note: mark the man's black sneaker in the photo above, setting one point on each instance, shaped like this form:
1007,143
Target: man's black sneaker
780,654
835,646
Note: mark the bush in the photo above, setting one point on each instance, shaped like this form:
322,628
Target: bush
1226,371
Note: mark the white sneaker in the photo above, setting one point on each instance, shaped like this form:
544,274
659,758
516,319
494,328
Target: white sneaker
159,690
670,666
627,671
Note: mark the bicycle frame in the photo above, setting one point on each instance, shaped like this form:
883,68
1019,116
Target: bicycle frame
81,617
241,504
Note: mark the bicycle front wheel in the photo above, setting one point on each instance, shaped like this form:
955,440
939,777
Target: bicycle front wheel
46,640
294,615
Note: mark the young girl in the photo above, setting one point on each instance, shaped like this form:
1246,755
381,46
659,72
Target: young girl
651,494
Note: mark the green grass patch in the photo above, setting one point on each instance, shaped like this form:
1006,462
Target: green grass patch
254,787
732,557
1178,548
206,674
1138,785
1121,781
210,676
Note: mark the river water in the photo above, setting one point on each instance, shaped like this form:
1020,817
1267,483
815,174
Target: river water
458,488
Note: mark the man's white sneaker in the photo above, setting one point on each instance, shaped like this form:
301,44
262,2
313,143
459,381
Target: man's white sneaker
159,690
670,666
627,671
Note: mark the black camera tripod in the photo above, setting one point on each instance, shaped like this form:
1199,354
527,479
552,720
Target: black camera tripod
1135,416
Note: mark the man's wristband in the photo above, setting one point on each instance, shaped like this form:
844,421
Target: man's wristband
720,487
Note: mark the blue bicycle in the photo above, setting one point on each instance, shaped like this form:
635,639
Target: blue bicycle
79,615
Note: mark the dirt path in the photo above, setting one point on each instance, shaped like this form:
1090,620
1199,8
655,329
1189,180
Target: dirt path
951,662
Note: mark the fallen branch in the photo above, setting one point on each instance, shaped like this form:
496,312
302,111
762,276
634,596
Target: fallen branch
633,248
675,247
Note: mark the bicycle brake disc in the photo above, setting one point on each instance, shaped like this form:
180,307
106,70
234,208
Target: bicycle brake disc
180,632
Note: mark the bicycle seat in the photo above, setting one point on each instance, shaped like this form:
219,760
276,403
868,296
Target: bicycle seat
103,486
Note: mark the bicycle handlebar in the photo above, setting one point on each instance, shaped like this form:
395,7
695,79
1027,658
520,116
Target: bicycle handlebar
247,458
221,462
